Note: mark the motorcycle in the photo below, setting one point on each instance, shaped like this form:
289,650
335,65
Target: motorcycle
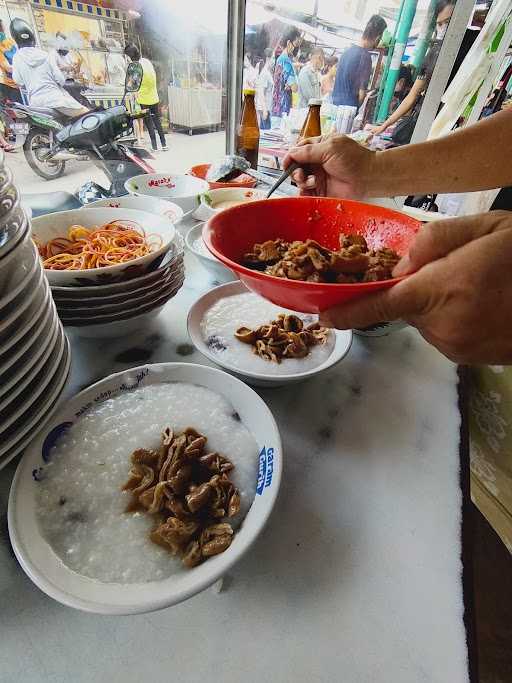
50,140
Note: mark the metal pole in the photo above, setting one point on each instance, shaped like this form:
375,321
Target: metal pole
404,28
235,56
388,61
424,37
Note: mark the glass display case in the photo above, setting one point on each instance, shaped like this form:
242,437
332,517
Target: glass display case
196,87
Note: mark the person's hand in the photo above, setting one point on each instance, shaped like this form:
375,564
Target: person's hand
335,166
376,130
459,295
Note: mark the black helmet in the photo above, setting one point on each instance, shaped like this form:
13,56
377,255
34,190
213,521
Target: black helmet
22,33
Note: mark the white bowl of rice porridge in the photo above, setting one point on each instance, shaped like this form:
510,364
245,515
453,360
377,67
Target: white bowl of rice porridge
215,318
68,518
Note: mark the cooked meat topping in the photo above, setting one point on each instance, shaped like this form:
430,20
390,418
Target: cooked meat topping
189,492
283,338
311,262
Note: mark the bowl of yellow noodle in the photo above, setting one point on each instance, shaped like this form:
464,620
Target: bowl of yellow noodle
100,246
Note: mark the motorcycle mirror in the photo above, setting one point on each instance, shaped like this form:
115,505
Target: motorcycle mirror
133,78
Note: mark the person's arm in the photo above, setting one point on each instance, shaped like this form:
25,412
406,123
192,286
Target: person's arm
57,74
458,292
470,159
405,106
291,79
365,71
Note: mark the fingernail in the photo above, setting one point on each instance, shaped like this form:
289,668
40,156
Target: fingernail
310,181
402,267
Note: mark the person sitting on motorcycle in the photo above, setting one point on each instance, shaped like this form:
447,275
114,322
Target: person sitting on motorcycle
40,76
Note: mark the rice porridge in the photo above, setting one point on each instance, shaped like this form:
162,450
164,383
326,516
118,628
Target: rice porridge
228,314
80,505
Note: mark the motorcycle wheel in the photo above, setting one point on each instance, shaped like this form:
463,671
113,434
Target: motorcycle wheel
35,146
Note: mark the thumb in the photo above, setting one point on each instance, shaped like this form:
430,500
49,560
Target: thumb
400,301
437,239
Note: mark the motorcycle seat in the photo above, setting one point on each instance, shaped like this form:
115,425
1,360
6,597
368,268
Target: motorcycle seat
50,202
43,111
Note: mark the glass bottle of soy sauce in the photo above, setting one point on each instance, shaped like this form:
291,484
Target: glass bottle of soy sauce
312,127
248,131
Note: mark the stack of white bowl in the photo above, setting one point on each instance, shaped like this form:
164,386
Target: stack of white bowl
115,300
34,352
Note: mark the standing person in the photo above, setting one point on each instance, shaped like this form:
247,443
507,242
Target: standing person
69,65
309,78
250,72
8,88
409,108
328,78
285,79
44,82
264,88
355,66
147,97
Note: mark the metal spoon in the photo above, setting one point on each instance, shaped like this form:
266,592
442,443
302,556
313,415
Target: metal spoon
291,168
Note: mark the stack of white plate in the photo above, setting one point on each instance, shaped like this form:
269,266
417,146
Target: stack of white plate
114,300
34,352
116,309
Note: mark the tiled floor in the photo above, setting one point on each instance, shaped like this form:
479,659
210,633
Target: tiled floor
492,568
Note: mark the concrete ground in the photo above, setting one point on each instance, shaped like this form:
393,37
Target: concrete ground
184,151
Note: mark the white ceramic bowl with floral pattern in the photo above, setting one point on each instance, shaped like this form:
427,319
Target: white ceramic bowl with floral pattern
53,577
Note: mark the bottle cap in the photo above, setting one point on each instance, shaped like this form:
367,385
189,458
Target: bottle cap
249,91
315,101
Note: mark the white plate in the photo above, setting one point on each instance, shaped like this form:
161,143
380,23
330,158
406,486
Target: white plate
172,257
43,416
42,326
215,268
166,276
24,300
128,303
17,404
203,304
21,280
32,416
124,315
21,373
54,225
119,328
54,578
39,299
16,264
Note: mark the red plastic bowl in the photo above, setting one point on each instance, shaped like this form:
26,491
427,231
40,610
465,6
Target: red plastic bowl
243,180
233,232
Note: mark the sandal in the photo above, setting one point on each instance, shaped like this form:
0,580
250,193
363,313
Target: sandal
8,148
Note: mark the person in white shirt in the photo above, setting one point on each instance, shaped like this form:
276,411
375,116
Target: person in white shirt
264,88
33,69
309,78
